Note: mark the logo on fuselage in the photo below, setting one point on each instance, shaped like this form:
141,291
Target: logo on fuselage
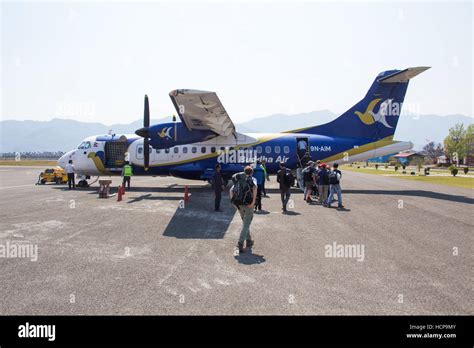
387,108
165,133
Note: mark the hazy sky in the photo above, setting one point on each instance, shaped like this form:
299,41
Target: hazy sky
94,61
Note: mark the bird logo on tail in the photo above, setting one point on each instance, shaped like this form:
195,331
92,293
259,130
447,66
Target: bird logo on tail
369,117
165,133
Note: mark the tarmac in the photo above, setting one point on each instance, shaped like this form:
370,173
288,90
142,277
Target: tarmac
147,255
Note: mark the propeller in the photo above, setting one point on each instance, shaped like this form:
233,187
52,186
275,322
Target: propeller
144,132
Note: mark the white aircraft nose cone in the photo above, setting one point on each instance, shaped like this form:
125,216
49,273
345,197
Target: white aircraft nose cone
62,161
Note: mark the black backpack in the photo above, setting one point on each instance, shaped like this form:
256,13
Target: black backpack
307,174
241,191
289,179
333,178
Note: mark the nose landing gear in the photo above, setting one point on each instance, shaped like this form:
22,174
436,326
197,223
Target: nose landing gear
83,180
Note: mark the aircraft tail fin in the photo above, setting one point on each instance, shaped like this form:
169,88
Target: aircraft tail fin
376,115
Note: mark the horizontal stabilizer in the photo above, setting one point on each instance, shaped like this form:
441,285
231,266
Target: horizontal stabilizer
403,75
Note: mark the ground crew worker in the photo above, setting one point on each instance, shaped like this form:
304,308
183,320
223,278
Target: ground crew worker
71,171
126,174
218,186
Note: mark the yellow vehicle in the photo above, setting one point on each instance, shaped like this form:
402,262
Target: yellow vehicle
56,175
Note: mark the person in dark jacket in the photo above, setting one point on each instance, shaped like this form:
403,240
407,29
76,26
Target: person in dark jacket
218,185
323,184
259,174
285,178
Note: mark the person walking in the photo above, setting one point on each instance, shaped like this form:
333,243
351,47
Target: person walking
243,195
218,185
259,175
70,171
309,181
286,180
267,177
323,184
335,186
126,174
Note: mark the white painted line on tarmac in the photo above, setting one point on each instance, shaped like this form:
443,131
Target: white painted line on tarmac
9,187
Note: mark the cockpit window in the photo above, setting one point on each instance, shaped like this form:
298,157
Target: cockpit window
84,145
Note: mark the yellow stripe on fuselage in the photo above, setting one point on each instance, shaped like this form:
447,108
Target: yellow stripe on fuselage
361,149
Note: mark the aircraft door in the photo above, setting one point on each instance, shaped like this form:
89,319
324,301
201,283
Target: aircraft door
115,152
302,151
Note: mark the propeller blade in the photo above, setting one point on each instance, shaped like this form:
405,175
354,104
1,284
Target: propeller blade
146,153
146,114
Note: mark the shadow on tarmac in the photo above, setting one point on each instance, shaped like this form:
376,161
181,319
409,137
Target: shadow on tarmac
198,220
414,193
248,258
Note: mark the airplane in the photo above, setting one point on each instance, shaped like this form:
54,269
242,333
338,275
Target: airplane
206,135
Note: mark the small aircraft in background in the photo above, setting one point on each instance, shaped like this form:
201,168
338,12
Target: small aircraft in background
206,135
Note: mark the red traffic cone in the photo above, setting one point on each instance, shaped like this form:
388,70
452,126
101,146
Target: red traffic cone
119,194
186,194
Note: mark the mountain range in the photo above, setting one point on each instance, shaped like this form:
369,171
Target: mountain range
65,134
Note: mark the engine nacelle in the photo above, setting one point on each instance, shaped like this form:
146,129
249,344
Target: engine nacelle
171,134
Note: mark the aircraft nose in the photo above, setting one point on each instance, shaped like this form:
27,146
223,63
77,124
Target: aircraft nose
62,161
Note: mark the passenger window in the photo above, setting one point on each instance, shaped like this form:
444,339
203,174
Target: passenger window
167,150
268,149
231,148
277,149
259,149
213,150
176,149
223,148
203,149
286,149
140,150
185,149
194,149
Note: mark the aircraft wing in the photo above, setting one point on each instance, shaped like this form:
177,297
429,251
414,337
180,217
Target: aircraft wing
202,110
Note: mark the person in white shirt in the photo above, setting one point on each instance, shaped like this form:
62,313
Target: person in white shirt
71,171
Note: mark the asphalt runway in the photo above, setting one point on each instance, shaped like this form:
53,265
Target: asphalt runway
146,255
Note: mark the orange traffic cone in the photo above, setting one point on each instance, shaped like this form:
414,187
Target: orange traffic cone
119,194
186,194
123,189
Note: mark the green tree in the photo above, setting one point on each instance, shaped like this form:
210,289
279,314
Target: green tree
433,151
469,140
455,142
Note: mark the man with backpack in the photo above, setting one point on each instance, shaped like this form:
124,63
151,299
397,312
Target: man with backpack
243,195
309,181
260,175
335,187
286,180
323,184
